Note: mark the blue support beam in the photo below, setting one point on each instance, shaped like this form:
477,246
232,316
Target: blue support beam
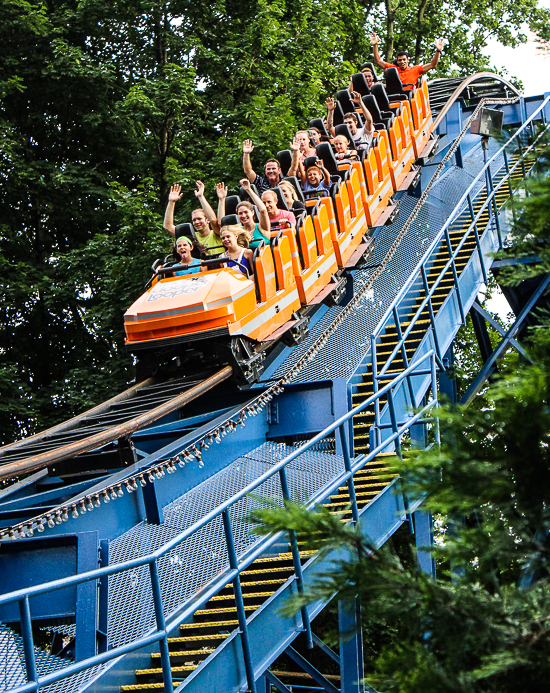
423,522
351,646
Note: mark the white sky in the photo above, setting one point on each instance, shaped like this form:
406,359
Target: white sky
526,62
533,68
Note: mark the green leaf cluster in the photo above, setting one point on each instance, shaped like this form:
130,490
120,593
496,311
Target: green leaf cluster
484,624
104,105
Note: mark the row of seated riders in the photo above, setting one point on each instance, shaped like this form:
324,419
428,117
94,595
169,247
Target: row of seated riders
307,170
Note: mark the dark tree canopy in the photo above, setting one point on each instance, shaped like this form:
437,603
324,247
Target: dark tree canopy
105,105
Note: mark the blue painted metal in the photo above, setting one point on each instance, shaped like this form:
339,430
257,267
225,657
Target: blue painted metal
28,642
239,603
165,626
352,670
279,685
297,563
504,343
347,466
311,670
423,522
326,649
489,318
161,627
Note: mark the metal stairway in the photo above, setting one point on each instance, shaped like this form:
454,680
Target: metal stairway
213,623
192,613
392,336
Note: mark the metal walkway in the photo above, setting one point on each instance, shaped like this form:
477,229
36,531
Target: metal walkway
184,597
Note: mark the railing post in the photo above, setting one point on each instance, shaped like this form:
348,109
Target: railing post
377,435
455,275
432,315
435,397
507,165
161,626
28,642
476,233
403,353
347,465
297,563
395,427
239,602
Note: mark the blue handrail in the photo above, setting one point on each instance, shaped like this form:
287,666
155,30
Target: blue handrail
164,626
459,204
444,232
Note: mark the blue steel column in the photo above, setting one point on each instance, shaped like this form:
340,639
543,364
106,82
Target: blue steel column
28,643
351,648
161,626
347,465
423,524
239,602
297,564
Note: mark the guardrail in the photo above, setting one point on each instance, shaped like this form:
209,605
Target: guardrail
166,624
465,205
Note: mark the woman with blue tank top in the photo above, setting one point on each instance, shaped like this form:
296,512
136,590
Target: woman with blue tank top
183,248
240,258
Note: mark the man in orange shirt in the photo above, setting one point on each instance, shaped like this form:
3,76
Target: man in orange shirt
409,74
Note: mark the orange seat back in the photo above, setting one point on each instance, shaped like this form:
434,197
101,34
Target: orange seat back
294,254
283,262
326,202
322,230
396,145
370,165
383,155
307,242
354,192
265,274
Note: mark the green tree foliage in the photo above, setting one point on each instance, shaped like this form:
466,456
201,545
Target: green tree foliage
485,624
104,105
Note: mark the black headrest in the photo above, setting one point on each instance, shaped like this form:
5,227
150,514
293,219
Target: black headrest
297,207
371,68
338,114
359,83
324,152
245,197
344,99
185,230
281,202
231,202
320,125
372,106
394,85
285,159
381,97
296,184
344,130
230,219
311,160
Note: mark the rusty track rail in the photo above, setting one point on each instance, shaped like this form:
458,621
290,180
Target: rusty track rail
479,76
123,430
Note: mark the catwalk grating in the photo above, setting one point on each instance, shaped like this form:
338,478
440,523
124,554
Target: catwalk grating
354,333
194,562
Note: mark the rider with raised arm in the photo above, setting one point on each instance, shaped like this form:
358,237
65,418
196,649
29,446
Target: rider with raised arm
245,211
361,135
272,169
200,218
409,74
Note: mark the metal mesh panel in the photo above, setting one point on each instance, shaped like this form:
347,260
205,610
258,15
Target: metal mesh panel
346,348
192,564
12,665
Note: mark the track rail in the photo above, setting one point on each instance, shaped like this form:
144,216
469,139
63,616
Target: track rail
77,420
464,84
123,430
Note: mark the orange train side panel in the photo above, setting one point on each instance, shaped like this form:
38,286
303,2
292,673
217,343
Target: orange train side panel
189,304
